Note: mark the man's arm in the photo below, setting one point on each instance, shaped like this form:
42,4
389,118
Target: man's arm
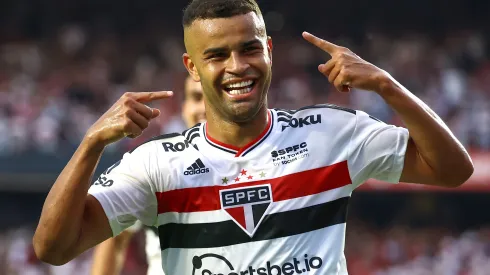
109,256
71,220
433,155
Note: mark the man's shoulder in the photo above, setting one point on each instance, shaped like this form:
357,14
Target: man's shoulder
171,142
319,114
157,139
324,108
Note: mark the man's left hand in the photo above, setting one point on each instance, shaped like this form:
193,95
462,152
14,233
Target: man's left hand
347,70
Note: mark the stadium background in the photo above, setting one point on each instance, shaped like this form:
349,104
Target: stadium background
63,62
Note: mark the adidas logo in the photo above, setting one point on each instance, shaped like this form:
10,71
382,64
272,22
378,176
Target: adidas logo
196,168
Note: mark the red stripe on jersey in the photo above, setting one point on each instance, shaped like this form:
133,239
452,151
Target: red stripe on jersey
253,142
222,144
283,188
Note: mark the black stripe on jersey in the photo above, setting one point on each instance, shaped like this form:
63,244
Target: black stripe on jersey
283,119
195,135
184,133
277,225
171,135
284,114
187,133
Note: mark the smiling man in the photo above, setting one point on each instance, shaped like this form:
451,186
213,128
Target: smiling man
252,191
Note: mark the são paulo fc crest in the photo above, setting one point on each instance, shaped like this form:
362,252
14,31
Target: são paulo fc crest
247,206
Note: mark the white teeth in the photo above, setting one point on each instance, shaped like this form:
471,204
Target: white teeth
240,91
239,85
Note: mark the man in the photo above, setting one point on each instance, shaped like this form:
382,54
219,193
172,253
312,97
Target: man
109,256
253,190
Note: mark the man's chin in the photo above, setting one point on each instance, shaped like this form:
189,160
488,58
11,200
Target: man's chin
243,112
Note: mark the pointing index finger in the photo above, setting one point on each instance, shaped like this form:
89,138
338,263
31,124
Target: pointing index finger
320,43
151,96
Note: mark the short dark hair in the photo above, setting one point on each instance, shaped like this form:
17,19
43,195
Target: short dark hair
211,9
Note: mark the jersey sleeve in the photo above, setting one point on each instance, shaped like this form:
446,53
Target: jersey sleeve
125,190
376,150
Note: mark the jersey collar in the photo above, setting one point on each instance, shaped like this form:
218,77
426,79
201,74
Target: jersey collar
237,151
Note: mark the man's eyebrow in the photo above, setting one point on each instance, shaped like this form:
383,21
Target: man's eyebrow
223,49
214,50
250,43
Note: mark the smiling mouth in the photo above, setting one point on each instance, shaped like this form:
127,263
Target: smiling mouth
240,88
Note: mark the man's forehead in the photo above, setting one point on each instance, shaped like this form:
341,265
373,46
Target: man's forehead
204,31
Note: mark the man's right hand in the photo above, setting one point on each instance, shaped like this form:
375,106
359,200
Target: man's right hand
71,220
128,117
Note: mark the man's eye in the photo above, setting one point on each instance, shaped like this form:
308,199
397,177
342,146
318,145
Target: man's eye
250,49
217,56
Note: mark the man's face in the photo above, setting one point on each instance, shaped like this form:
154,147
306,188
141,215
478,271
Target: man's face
193,107
232,59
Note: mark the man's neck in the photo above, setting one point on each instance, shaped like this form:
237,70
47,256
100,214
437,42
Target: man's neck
237,134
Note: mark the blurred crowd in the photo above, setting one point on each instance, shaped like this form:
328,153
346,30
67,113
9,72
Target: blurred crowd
396,250
402,251
53,89
17,257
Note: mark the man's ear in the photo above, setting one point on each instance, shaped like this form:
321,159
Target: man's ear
191,67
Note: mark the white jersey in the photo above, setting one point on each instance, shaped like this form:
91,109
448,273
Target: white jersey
276,206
